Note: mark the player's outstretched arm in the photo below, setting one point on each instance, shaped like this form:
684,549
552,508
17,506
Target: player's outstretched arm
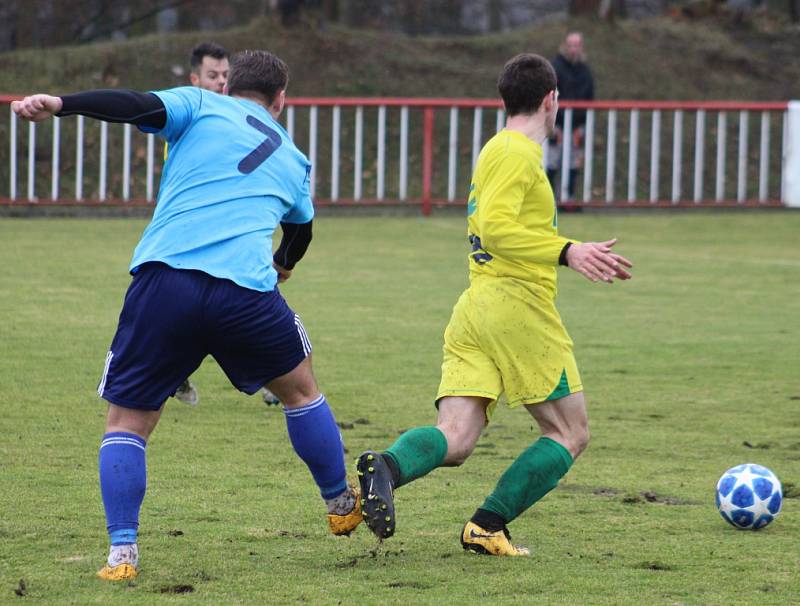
596,262
111,105
37,107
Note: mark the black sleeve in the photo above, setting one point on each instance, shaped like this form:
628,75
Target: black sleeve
141,109
562,257
295,241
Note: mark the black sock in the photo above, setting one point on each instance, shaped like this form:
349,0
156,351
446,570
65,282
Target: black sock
488,520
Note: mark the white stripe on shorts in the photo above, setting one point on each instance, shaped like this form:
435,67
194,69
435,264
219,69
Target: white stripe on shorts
303,335
101,388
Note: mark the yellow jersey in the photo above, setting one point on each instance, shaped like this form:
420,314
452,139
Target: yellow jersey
512,217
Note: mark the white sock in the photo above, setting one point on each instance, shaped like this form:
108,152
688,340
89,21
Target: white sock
343,504
124,554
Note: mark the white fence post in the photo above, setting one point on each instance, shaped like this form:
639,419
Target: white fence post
358,173
633,151
655,154
791,158
611,151
56,162
31,161
588,156
312,148
335,128
381,169
403,185
452,153
566,155
12,153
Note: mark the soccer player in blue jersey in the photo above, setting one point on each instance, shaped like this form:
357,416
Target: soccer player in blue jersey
209,70
232,175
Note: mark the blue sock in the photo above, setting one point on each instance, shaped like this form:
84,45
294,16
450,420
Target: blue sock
316,440
123,480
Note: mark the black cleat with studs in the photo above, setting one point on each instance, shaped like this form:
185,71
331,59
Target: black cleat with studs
377,501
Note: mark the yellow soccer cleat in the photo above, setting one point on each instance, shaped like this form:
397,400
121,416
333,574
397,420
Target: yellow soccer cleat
120,572
476,539
343,525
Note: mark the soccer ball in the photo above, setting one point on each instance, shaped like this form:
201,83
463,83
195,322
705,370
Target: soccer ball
749,496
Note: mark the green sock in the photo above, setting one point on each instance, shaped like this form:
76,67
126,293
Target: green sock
532,475
417,452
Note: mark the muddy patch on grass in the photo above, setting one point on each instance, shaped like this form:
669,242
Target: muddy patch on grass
409,585
180,588
757,445
648,496
654,565
600,491
286,533
372,554
21,589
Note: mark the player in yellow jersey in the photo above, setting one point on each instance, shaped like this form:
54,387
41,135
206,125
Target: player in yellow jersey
505,334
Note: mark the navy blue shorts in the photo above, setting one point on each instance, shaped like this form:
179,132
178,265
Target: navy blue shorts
173,318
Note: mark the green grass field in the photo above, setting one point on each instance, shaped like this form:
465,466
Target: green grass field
690,368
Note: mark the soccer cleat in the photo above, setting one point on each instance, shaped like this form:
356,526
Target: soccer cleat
120,572
343,525
477,540
122,563
187,393
377,501
270,399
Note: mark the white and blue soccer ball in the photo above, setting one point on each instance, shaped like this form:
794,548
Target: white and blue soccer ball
749,496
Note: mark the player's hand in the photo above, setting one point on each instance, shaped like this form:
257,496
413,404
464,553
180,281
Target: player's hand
596,262
283,273
37,107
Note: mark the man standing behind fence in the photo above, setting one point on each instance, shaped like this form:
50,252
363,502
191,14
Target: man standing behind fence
204,281
575,82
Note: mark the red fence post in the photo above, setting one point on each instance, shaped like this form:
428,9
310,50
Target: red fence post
427,160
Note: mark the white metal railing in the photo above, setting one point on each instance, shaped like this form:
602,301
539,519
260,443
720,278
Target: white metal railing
393,139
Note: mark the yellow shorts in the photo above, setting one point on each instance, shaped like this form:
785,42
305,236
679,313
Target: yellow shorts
505,335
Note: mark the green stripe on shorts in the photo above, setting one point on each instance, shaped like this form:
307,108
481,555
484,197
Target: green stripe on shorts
561,390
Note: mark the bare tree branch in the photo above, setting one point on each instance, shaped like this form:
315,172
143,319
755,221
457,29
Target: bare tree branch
99,33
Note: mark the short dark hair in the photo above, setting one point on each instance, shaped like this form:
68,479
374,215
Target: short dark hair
207,49
257,71
524,83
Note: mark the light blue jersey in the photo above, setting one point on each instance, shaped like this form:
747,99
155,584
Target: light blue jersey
232,174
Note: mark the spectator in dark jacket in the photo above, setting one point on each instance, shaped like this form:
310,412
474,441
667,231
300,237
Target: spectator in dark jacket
575,82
